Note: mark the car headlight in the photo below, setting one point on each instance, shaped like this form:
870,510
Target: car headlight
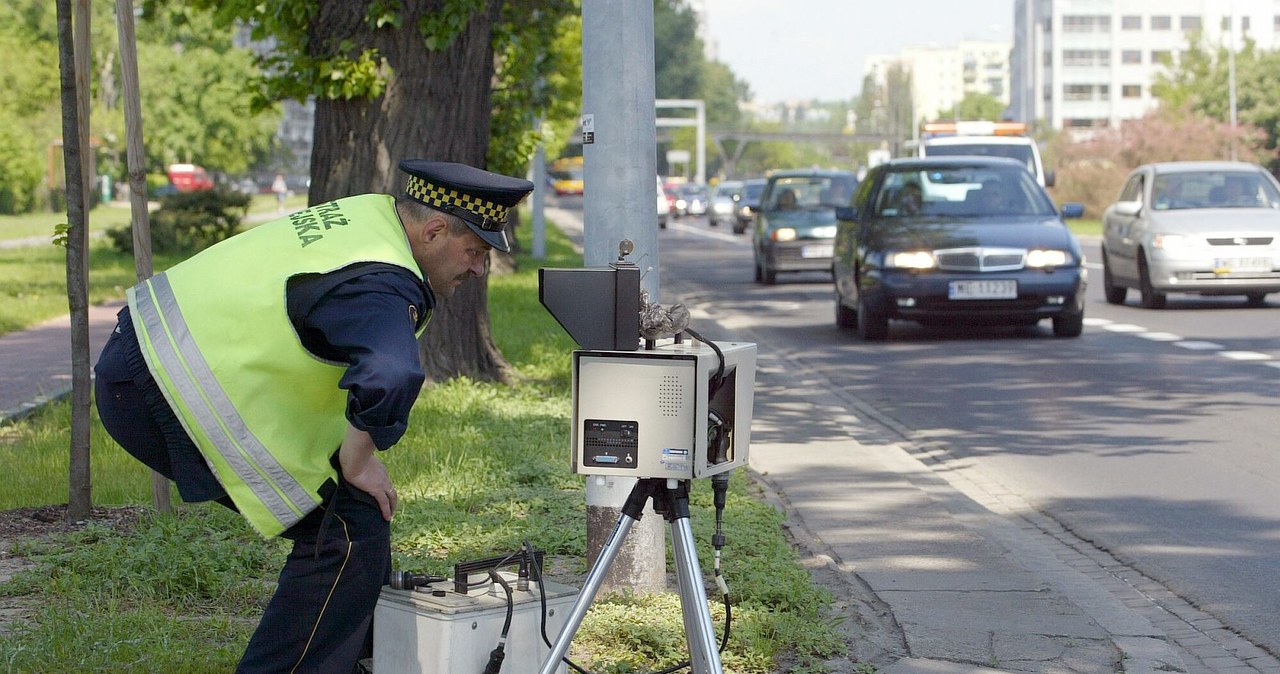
1171,241
784,234
824,232
1047,258
917,259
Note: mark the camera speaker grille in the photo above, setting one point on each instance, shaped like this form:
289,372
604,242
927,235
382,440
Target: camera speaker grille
670,396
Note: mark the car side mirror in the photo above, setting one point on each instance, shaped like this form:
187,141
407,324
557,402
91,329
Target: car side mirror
1072,210
1129,208
846,213
1048,178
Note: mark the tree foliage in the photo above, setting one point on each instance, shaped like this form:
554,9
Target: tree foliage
1091,171
1200,83
975,106
192,85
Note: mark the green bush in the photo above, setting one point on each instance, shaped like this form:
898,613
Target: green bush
188,222
19,170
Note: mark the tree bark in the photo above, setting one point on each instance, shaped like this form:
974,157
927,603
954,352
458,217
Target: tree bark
436,106
73,49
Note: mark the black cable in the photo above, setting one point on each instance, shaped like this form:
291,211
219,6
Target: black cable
542,598
718,378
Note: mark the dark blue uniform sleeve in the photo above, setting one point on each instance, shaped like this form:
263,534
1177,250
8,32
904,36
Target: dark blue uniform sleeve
371,320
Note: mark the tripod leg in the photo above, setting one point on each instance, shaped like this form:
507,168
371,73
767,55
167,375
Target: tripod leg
630,514
704,657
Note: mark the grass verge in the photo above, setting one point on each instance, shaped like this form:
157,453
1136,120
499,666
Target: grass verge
182,593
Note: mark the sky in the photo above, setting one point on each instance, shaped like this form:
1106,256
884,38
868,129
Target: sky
803,49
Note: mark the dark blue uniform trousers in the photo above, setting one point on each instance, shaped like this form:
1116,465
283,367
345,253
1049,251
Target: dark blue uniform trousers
320,618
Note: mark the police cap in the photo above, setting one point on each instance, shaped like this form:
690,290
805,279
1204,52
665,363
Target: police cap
482,199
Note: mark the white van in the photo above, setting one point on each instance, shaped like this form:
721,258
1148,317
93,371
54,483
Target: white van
988,139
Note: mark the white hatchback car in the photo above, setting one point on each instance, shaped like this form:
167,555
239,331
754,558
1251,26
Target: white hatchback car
1209,228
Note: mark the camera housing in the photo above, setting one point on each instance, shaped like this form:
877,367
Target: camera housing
679,410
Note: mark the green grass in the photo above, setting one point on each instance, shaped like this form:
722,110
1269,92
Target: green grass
182,593
1085,227
33,279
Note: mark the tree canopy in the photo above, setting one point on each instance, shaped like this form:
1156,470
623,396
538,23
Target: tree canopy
192,81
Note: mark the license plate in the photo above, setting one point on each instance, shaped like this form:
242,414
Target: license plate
983,290
1230,264
816,250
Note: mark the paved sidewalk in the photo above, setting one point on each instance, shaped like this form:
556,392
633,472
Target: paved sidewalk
35,365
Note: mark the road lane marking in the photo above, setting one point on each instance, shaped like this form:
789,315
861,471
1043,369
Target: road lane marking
1245,355
680,226
1178,341
1161,336
1195,345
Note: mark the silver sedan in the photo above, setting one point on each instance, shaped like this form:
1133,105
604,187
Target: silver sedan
1209,228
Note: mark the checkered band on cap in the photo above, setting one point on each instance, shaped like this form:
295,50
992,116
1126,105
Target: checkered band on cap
480,212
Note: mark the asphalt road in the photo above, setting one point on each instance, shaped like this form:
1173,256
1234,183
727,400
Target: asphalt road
1153,436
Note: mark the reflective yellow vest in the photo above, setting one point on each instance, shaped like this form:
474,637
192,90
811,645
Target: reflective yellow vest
266,413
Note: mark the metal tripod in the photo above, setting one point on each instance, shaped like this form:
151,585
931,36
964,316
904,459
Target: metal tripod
671,500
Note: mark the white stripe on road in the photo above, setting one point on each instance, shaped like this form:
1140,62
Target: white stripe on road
1199,346
1189,344
679,226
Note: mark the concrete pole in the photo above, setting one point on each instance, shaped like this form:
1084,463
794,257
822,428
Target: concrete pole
619,168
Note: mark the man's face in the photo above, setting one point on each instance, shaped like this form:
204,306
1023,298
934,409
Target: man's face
448,260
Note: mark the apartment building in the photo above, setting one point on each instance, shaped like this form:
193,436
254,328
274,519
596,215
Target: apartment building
942,76
1089,64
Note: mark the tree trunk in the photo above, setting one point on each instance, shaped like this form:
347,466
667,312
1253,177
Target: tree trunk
436,106
73,50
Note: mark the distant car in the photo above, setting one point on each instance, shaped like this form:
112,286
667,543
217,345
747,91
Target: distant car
1210,228
795,223
724,202
956,240
567,182
750,199
691,199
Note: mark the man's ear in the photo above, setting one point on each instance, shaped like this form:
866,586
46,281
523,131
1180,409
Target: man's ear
436,227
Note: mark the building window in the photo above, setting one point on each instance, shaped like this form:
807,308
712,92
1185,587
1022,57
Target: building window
1161,23
1190,23
1131,56
1244,24
1086,92
1086,57
1226,23
1131,91
1088,23
1130,23
1162,57
1084,123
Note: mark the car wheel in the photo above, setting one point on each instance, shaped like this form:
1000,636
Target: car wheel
769,276
1150,298
738,229
1115,294
759,277
845,317
1256,299
873,326
1068,325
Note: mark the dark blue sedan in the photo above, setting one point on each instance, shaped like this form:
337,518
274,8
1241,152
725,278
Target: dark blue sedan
967,240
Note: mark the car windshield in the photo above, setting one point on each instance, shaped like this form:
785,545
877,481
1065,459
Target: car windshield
1213,189
751,192
1021,153
963,191
801,192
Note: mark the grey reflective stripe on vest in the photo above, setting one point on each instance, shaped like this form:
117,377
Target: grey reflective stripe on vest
212,410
